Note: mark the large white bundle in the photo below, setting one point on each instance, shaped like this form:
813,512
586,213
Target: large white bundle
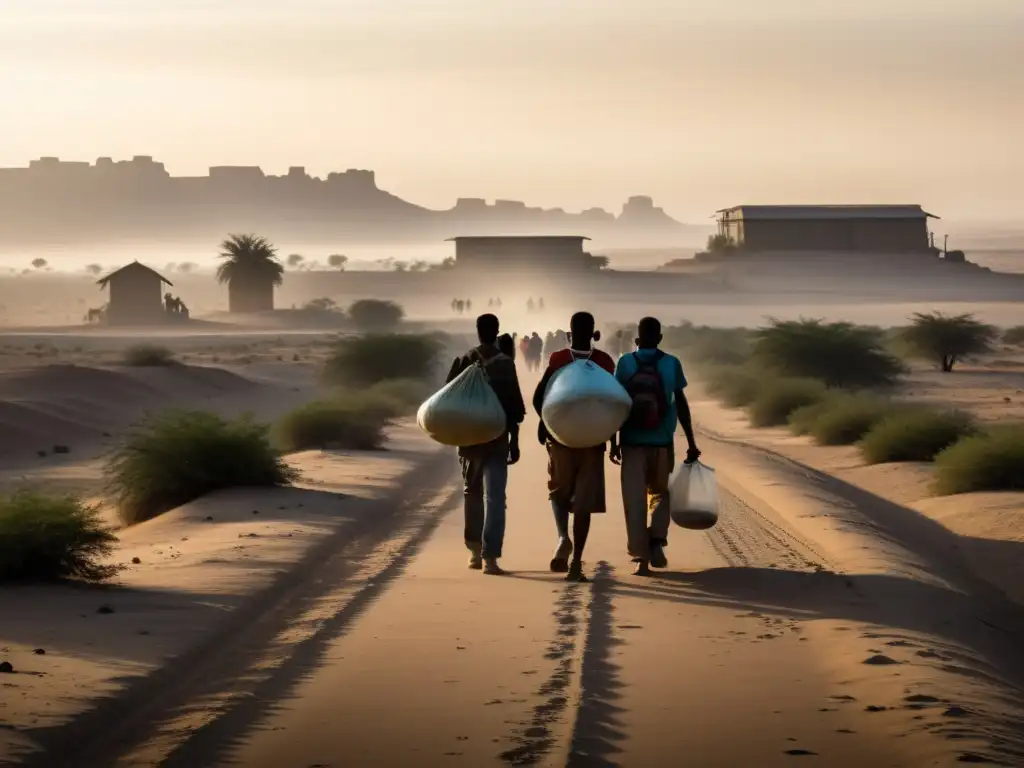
584,405
463,412
693,496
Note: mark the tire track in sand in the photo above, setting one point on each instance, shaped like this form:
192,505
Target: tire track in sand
193,711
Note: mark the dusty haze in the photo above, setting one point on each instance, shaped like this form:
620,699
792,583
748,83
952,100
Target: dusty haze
698,104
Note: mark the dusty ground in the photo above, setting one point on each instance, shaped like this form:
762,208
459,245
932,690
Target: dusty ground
838,615
741,294
78,393
991,388
989,526
817,623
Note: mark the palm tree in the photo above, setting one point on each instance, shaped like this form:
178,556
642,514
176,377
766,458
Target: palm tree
251,270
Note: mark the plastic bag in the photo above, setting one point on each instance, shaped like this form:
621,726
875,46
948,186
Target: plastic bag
584,405
693,496
464,412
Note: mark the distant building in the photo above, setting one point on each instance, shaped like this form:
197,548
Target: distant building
136,295
858,228
521,251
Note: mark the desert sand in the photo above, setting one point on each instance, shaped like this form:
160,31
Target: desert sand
987,529
817,622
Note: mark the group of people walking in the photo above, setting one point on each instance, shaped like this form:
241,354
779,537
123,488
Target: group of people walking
460,306
644,447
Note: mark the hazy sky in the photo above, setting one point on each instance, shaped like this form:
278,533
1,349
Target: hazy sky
700,103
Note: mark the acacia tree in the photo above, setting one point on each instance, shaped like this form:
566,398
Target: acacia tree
947,339
295,260
38,263
337,261
251,270
94,269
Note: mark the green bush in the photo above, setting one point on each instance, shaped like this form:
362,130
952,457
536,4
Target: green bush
947,339
177,456
407,394
341,422
361,361
989,461
735,386
1014,336
802,420
839,354
778,398
375,314
842,418
44,538
144,355
352,420
914,434
704,344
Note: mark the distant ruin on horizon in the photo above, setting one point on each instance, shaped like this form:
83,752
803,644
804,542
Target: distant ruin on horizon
52,200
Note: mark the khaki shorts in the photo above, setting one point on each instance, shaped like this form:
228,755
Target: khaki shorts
576,478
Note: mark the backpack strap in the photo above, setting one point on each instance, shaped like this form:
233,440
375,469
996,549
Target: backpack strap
658,355
486,363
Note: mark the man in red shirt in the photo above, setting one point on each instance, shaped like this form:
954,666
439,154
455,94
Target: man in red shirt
575,475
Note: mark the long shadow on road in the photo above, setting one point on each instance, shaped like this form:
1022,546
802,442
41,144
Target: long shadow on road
599,730
956,632
214,742
226,664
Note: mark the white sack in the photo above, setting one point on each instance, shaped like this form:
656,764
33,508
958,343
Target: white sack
584,405
693,496
464,412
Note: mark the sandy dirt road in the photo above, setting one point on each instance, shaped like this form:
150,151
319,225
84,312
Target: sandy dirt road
748,651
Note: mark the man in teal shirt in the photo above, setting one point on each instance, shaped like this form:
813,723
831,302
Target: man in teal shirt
645,445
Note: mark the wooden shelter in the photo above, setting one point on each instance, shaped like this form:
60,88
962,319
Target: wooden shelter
136,295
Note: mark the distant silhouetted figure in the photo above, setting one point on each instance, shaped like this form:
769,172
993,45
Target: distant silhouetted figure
507,345
497,303
490,303
549,344
455,305
620,343
529,304
536,350
540,304
469,305
460,306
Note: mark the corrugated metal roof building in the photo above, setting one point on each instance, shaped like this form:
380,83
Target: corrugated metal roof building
857,228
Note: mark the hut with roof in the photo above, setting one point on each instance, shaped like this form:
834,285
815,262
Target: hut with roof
836,228
136,295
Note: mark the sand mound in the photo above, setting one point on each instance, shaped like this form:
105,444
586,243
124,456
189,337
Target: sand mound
79,406
47,382
991,528
179,379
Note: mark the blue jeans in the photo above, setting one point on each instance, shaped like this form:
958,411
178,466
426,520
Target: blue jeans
485,480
